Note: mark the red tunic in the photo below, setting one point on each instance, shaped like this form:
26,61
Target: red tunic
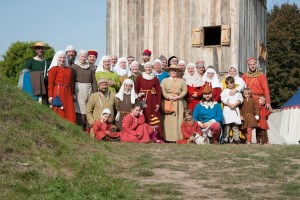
187,131
60,83
103,129
216,92
258,85
152,91
134,129
192,101
263,117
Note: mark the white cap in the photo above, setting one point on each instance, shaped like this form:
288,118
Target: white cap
70,48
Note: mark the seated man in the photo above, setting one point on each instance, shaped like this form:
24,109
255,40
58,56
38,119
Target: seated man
208,114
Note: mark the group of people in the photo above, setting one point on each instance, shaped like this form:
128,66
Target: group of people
164,101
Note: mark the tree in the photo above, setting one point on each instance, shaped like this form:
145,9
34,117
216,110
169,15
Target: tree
283,43
15,57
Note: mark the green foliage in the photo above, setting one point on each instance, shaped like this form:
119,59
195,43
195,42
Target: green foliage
15,57
283,42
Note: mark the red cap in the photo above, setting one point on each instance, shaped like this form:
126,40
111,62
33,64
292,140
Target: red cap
251,59
92,52
147,52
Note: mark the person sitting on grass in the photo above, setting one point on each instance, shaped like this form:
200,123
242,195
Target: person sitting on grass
134,128
103,129
189,127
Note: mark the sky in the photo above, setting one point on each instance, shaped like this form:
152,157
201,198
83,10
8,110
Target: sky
60,23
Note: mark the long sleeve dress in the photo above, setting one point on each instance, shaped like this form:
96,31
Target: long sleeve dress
101,130
60,83
172,122
135,129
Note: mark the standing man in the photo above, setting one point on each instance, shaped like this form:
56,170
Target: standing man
71,54
38,68
114,60
92,57
257,82
130,59
146,58
98,102
200,66
164,62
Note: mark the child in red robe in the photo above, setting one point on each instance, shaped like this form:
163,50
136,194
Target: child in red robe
103,129
134,128
262,126
188,127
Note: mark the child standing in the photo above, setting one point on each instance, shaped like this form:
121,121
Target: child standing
249,114
103,129
188,127
231,111
262,126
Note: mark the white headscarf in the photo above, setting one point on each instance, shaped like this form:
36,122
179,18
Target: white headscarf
237,79
120,71
215,83
54,61
148,76
134,63
100,65
192,80
181,62
120,94
82,65
106,111
160,64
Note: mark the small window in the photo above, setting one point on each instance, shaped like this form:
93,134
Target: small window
212,35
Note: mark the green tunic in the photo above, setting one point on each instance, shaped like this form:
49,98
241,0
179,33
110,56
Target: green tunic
36,65
110,76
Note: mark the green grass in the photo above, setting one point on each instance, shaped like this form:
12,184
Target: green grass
44,157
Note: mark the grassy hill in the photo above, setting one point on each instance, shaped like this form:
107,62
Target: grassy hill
43,157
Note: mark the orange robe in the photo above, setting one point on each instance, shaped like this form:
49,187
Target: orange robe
60,82
187,131
103,129
134,129
258,85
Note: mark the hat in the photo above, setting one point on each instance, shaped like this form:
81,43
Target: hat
106,111
207,89
39,44
92,52
171,68
102,80
200,63
70,48
147,52
154,120
251,59
162,57
169,60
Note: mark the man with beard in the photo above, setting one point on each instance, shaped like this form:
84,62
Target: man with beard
146,58
98,102
71,54
208,114
38,68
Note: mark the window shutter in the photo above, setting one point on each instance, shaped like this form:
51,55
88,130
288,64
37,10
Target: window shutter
197,37
225,35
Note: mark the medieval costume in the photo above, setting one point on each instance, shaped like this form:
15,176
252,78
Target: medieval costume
262,125
124,101
194,86
60,83
213,83
123,73
187,130
173,87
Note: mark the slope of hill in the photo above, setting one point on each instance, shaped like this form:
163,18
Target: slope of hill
44,156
